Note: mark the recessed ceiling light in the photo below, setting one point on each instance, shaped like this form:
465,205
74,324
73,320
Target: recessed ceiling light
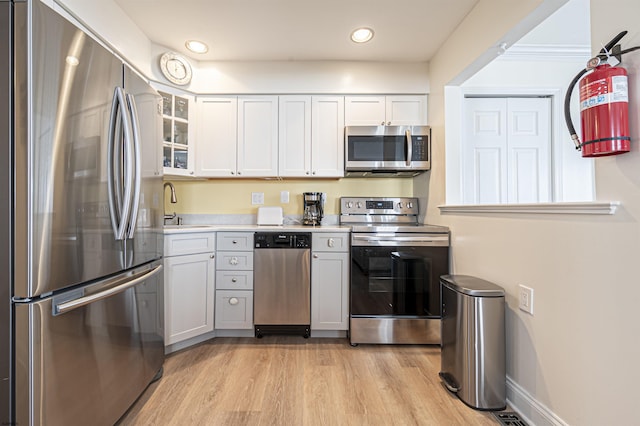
197,46
362,35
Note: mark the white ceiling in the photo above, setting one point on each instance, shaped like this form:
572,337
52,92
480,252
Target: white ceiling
300,30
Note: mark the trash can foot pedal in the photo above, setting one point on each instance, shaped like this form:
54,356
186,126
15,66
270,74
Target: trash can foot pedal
449,382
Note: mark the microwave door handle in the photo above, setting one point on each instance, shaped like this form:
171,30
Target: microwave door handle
409,142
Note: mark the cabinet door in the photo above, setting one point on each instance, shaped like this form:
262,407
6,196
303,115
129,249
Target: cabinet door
327,140
406,110
258,136
217,136
177,132
294,139
234,309
189,296
364,111
329,291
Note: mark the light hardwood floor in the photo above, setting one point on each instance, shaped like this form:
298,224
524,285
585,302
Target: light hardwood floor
288,380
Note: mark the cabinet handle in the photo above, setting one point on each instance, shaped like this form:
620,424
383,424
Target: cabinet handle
330,242
212,256
315,256
313,173
388,123
232,173
235,241
307,172
233,260
233,301
191,173
382,124
234,280
239,173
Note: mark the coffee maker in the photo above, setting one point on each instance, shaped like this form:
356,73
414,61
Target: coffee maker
313,207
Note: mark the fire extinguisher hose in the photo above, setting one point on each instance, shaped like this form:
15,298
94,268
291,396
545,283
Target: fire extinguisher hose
567,109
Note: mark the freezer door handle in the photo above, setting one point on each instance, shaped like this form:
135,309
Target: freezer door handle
118,287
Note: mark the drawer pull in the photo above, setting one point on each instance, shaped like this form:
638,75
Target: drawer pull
235,241
315,256
233,260
331,242
212,256
234,280
233,301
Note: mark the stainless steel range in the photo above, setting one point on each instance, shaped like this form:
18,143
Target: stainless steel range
396,264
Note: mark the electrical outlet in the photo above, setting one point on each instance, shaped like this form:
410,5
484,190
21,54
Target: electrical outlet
257,198
284,197
525,302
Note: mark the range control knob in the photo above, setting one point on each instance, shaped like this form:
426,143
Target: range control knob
350,204
400,205
410,205
359,204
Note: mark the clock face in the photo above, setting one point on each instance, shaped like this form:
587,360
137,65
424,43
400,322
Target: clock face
175,68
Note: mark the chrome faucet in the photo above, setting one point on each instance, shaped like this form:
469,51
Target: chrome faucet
174,200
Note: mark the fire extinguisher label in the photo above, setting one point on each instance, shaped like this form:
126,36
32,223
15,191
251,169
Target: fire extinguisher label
604,91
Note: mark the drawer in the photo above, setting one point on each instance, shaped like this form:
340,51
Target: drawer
234,309
236,241
181,244
332,242
234,280
234,261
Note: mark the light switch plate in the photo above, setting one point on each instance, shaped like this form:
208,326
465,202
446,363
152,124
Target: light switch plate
525,299
284,197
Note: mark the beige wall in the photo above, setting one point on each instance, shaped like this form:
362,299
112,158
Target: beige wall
226,196
578,354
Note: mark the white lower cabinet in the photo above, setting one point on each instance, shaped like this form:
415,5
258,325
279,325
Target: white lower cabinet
330,281
234,281
189,281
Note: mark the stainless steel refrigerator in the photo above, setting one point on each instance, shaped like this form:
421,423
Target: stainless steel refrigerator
81,329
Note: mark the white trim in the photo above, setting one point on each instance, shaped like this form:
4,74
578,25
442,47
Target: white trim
533,412
546,52
603,208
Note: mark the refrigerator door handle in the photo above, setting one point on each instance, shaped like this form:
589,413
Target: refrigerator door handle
137,178
119,203
118,287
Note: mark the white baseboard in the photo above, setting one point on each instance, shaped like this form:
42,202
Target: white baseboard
533,412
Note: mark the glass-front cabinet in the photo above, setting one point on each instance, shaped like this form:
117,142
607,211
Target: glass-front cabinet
177,146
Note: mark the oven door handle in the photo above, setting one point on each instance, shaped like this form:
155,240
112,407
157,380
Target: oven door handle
390,240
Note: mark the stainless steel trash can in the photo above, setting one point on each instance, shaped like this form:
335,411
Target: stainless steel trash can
473,341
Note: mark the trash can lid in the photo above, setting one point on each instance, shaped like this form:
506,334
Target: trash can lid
472,286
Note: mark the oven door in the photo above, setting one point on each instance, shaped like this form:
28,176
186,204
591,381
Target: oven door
398,276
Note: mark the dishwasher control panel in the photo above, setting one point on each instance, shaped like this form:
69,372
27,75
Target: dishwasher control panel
282,240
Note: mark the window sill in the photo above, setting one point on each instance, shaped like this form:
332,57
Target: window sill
605,208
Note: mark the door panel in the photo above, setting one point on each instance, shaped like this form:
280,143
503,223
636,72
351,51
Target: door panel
89,364
73,80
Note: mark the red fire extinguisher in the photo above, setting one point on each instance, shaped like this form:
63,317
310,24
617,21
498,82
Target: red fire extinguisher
604,106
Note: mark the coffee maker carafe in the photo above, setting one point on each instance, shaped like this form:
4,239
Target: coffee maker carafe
313,207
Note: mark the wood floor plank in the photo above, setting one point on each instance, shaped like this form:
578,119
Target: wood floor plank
288,380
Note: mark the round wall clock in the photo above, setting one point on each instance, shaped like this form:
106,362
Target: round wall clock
175,68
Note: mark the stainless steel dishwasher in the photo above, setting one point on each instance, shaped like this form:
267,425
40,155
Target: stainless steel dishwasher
282,283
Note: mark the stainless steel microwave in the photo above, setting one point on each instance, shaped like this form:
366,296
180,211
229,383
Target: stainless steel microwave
387,151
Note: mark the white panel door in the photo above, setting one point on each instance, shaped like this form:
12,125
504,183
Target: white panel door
294,139
217,136
506,150
485,151
258,136
529,142
327,139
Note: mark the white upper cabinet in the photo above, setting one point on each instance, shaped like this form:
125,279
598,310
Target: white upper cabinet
311,141
385,110
217,136
327,136
177,129
294,147
257,136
